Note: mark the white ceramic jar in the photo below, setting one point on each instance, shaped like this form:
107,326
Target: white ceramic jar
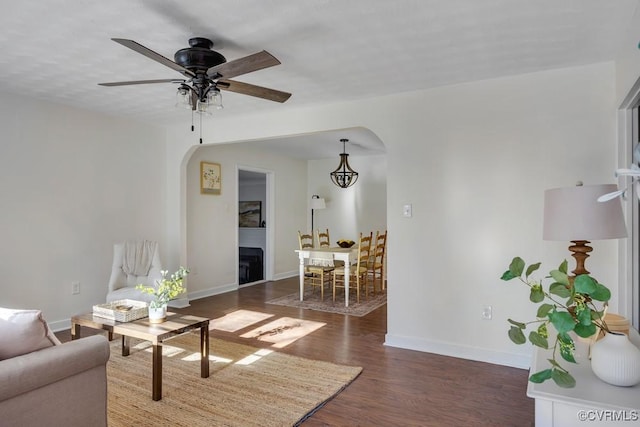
615,360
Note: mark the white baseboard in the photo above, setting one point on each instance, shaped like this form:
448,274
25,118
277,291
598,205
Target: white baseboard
60,325
212,291
249,284
179,303
286,275
463,352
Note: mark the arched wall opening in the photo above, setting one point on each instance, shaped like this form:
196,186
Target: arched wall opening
299,166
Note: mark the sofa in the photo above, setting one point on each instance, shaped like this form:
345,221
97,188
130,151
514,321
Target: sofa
55,384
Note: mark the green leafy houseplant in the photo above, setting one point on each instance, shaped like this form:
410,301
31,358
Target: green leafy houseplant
569,305
165,289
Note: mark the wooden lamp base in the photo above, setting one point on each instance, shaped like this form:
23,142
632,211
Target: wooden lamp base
580,251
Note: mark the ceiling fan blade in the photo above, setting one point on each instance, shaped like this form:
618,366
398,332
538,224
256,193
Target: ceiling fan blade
253,90
245,65
153,55
142,82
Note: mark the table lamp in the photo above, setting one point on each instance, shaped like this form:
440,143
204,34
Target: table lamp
574,214
317,202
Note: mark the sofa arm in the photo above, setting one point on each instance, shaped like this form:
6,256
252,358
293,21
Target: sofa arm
40,368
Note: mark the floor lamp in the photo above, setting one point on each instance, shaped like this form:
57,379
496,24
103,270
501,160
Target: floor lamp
574,214
317,202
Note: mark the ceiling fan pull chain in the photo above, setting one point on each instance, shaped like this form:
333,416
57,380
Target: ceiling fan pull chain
200,128
192,128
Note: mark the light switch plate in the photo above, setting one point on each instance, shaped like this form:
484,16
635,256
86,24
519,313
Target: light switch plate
487,312
407,211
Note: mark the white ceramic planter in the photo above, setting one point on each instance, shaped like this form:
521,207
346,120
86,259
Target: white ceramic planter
615,360
157,314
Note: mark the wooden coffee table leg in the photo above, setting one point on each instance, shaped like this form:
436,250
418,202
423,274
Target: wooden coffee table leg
157,372
204,351
125,346
75,331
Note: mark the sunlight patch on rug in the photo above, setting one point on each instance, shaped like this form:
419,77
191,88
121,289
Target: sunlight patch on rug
237,320
172,351
254,357
283,331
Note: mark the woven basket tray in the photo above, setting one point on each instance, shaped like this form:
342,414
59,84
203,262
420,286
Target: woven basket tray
124,310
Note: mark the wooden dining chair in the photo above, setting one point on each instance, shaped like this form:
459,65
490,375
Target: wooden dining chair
376,264
324,241
317,273
358,272
305,240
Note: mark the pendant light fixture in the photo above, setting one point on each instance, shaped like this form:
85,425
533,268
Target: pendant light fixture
344,176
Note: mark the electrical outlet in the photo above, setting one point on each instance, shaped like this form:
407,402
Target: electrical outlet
75,288
487,312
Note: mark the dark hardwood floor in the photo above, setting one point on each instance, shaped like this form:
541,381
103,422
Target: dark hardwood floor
397,387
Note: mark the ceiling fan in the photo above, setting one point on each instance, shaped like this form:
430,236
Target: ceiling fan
207,72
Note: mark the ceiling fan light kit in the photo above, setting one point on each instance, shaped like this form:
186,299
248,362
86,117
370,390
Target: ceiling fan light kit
344,176
207,72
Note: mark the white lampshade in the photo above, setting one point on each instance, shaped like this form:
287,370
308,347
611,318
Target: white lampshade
317,203
573,213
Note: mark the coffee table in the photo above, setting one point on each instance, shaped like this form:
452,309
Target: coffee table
157,333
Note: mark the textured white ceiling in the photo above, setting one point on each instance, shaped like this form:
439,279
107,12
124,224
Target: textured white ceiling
331,50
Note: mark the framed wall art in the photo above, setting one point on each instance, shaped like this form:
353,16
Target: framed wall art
249,214
210,178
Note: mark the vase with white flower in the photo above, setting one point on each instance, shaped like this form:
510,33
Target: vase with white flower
163,291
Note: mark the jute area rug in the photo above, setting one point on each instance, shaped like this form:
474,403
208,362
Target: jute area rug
312,301
247,386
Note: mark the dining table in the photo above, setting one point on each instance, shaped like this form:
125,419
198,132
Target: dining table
348,255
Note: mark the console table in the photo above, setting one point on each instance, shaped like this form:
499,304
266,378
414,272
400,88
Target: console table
591,403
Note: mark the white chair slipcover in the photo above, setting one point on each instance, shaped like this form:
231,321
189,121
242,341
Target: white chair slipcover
134,262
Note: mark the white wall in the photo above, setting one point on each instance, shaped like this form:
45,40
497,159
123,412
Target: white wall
212,221
628,60
349,211
72,184
474,160
488,150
